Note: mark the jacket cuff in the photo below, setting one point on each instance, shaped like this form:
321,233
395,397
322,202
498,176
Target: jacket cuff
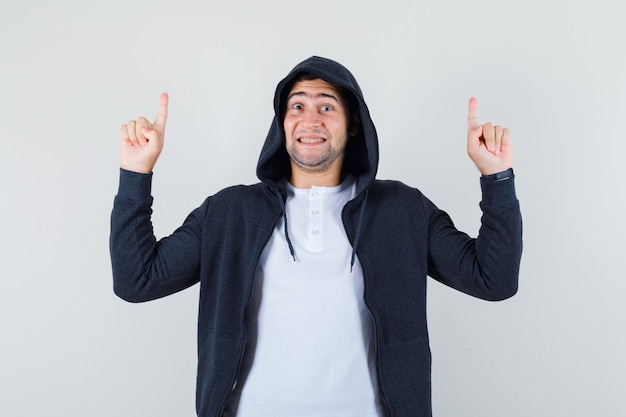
498,189
134,185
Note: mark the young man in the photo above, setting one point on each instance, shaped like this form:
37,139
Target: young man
313,281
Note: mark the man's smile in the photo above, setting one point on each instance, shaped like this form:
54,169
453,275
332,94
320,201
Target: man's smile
311,140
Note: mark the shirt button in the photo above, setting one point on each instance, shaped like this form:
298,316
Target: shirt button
314,194
315,212
315,232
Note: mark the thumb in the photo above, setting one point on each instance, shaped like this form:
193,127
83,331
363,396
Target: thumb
152,135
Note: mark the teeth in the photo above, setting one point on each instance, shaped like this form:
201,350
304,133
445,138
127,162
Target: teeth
311,140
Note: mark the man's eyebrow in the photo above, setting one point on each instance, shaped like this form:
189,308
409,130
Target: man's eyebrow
302,93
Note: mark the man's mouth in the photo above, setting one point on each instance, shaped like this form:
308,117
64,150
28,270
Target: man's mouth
311,140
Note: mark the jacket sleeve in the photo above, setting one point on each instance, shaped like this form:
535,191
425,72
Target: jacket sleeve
486,267
144,268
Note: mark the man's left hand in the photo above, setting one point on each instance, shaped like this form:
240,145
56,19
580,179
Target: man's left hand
488,145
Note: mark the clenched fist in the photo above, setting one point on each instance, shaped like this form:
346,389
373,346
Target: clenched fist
141,142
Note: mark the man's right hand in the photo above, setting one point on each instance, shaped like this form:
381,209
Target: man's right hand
141,142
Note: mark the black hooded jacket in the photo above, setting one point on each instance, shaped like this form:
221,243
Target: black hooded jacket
399,236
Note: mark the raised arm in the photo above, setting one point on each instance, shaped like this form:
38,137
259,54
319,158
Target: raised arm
144,268
488,266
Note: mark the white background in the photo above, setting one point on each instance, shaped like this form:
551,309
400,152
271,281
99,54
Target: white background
71,72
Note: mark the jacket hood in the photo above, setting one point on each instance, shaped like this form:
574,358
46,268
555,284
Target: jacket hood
361,158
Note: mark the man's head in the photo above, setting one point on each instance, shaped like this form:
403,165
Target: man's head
348,148
318,120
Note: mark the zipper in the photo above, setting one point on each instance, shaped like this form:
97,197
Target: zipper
234,381
369,310
376,348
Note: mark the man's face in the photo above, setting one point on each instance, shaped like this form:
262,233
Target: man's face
316,126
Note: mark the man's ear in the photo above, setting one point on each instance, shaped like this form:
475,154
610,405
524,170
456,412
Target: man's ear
355,124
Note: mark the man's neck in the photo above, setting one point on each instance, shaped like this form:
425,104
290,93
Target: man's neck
303,179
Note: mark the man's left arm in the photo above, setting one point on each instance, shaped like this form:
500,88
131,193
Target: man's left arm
488,266
498,247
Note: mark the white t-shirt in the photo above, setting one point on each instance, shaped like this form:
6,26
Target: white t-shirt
310,349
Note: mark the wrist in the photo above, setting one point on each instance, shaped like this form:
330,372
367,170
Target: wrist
499,176
138,168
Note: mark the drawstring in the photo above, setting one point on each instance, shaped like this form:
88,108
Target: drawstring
358,230
356,238
282,206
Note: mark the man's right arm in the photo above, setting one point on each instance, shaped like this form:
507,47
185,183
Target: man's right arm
144,268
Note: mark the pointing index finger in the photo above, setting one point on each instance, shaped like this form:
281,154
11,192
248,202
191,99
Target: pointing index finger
161,117
472,114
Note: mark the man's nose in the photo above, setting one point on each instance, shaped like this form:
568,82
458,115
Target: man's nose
311,118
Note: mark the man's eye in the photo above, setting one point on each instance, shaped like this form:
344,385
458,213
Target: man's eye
327,108
296,106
